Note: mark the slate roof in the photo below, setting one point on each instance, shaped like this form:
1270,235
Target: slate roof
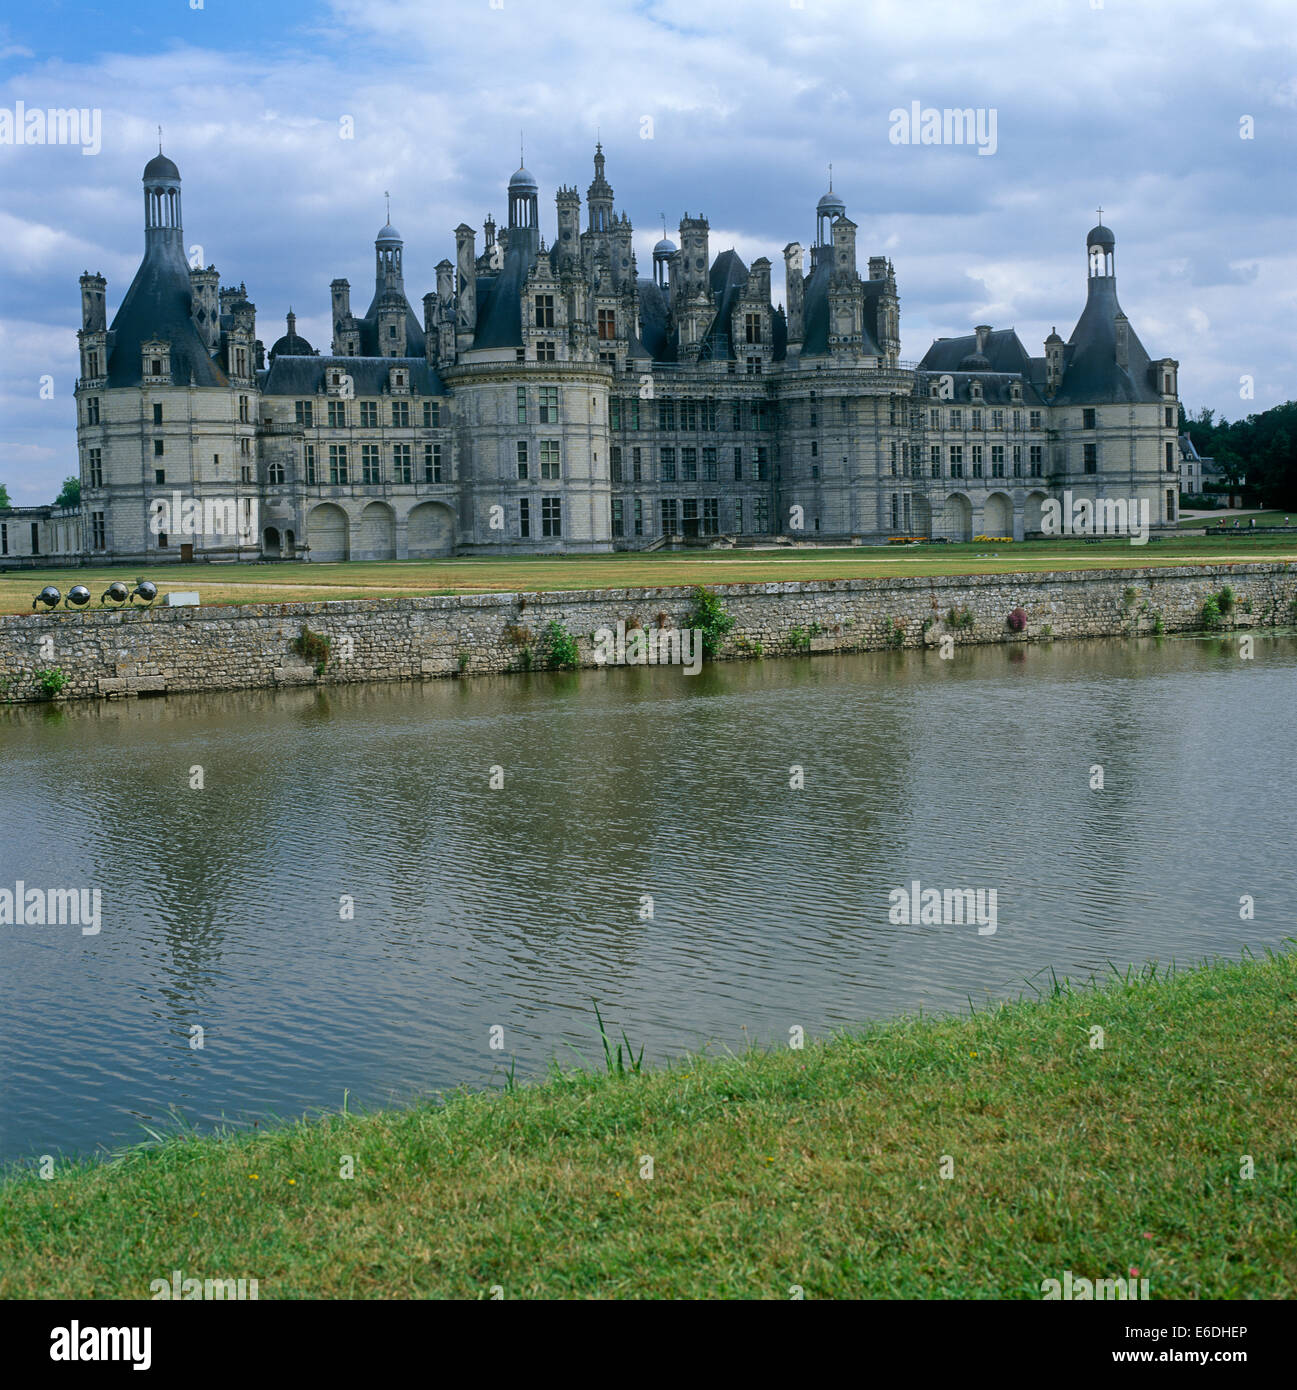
304,376
1002,349
815,311
499,299
1091,375
369,344
158,305
653,322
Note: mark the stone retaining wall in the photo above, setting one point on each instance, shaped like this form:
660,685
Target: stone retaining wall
194,649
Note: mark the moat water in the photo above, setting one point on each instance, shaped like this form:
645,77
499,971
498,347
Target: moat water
512,907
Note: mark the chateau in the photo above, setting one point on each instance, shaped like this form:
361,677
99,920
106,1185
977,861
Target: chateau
549,398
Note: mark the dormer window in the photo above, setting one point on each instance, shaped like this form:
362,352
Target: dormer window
155,367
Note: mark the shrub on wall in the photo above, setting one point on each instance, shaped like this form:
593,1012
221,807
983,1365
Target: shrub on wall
1018,620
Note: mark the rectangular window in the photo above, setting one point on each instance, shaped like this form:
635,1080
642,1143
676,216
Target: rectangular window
637,466
432,463
688,415
524,517
95,469
738,515
618,517
709,465
977,420
157,413
997,419
545,351
1017,460
934,419
337,464
761,516
688,465
1036,459
738,465
544,311
401,414
369,471
1087,420
92,410
551,516
1170,417
98,531
305,412
243,410
549,461
736,415
670,516
956,460
369,415
1170,504
337,414
522,405
751,328
666,415
934,457
159,476
310,464
549,405
614,464
1017,419
159,448
896,512
614,413
632,413
763,464
689,516
522,459
977,460
1091,458
639,516
667,458
1033,419
607,325
1170,457
402,465
754,366
92,364
956,418
997,460
431,415
245,473
892,457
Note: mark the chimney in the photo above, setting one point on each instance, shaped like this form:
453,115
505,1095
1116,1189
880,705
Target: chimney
983,331
1122,325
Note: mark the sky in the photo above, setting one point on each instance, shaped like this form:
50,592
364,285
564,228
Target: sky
289,123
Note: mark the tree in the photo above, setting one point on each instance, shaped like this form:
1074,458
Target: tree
4,496
71,494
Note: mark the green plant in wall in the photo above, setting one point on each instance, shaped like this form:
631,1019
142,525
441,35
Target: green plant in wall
50,681
960,618
313,647
1129,597
1159,627
462,661
709,617
559,647
894,633
517,636
799,639
748,646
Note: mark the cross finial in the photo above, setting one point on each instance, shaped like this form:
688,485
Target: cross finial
159,139
522,155
830,177
1101,217
387,197
664,226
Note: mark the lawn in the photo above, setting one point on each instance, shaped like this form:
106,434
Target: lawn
1167,1154
226,584
1230,517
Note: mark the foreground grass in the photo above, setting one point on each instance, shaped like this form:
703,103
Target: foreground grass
817,1168
286,583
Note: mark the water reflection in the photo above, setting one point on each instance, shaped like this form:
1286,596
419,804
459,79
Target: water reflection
225,907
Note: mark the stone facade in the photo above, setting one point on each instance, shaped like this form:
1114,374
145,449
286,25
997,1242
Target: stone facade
551,399
204,649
